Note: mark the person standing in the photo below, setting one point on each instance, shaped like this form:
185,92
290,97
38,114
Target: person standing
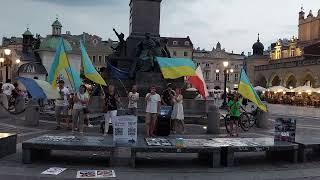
81,100
177,115
234,110
7,88
110,107
62,104
153,109
167,95
3,99
133,101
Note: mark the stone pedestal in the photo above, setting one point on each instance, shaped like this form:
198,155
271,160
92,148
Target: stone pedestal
262,120
19,104
32,114
213,120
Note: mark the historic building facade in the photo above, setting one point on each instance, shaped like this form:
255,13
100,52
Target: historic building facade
180,47
211,63
291,63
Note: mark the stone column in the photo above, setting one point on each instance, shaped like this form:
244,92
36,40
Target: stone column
213,120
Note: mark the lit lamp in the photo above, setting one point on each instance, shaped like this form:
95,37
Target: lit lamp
18,61
7,52
226,72
1,60
217,70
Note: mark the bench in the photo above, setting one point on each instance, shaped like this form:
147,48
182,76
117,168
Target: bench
212,154
8,142
268,145
306,145
40,147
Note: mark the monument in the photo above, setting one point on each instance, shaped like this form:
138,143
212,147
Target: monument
136,55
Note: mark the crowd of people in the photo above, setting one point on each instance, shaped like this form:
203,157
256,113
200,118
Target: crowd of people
78,102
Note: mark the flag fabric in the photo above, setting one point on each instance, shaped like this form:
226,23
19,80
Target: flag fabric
247,91
90,71
59,63
199,83
118,73
74,77
173,68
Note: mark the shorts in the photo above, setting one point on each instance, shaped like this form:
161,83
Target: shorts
151,117
234,118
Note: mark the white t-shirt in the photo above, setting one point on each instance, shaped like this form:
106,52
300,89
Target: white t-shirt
133,100
63,100
152,103
7,89
82,97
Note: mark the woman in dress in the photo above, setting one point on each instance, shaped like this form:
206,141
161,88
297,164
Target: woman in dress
177,115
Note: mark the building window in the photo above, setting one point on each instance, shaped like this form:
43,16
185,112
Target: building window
236,76
94,59
175,42
217,77
198,64
236,66
292,53
187,43
228,77
207,65
185,53
100,59
278,54
174,53
206,75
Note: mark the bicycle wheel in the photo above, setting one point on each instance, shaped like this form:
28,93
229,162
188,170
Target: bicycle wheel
244,122
227,123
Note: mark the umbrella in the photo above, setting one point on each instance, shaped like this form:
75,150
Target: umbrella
260,89
306,89
38,89
278,89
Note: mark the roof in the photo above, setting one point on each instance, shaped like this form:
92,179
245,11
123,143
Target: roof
52,42
27,57
56,23
32,68
27,33
179,42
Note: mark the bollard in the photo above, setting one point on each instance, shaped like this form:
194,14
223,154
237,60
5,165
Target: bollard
19,104
262,119
32,113
213,120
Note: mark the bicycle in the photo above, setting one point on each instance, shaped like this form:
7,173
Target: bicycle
251,115
243,120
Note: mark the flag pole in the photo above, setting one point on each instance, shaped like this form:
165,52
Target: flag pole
74,84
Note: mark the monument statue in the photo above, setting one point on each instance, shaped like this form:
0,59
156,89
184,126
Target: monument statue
121,49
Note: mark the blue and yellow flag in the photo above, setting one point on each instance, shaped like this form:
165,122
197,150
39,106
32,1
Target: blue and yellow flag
59,63
74,77
246,90
89,70
173,68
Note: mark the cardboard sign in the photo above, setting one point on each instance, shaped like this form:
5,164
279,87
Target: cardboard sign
285,130
125,130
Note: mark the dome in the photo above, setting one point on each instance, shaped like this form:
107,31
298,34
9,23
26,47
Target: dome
53,42
258,47
33,68
27,33
56,23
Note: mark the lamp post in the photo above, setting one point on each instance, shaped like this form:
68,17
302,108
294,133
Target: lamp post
7,61
226,71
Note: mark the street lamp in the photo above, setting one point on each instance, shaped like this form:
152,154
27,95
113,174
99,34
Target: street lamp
18,61
217,70
226,71
7,62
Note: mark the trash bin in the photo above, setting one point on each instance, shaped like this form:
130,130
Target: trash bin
262,119
213,120
32,113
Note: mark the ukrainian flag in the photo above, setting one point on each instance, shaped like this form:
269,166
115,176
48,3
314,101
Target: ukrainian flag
173,68
59,63
89,70
246,90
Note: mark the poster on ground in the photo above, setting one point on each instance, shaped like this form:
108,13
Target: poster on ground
88,174
125,130
54,171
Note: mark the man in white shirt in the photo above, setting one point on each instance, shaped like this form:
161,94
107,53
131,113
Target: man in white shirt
8,88
62,104
133,101
153,108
